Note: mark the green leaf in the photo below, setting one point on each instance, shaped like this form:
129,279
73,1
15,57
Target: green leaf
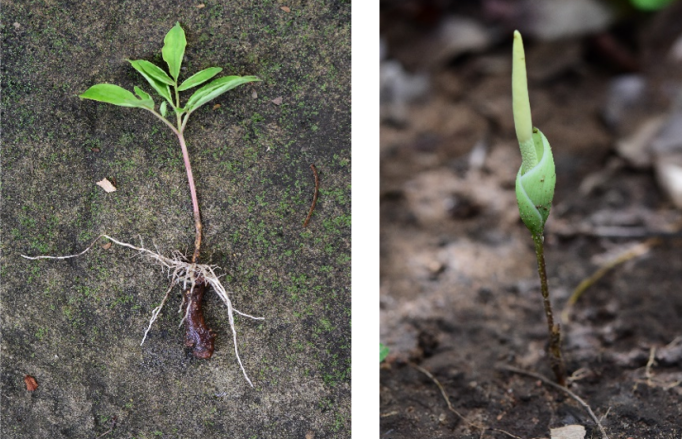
535,187
384,352
199,78
216,88
141,93
153,70
162,109
113,94
160,87
174,49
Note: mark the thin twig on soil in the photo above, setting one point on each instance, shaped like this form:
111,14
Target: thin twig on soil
651,380
389,414
113,425
579,375
638,250
453,410
181,272
563,389
602,417
317,188
445,396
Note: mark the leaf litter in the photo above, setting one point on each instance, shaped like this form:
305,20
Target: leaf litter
106,185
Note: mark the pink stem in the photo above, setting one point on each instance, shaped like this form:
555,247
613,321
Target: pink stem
193,193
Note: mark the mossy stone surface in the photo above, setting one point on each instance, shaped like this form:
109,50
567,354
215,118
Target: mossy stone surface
76,325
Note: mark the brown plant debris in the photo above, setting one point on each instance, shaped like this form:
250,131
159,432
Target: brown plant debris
106,185
317,188
31,383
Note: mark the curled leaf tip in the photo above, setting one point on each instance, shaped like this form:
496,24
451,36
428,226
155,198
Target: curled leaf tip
521,105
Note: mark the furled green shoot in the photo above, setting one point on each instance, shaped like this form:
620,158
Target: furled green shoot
535,190
536,178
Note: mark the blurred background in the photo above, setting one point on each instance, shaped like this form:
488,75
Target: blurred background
459,288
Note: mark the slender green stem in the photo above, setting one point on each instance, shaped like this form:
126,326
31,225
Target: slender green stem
556,362
184,121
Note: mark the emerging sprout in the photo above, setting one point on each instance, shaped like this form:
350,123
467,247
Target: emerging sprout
535,189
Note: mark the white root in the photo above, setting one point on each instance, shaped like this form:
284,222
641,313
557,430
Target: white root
181,272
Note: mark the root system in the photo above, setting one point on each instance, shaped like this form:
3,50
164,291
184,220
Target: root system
193,278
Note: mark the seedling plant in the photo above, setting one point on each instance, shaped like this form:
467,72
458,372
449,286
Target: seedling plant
535,190
193,277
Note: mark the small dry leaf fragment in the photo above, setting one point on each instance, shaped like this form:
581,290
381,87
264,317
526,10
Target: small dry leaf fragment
16,25
31,383
106,246
310,435
216,106
568,432
285,8
200,5
254,94
94,149
106,185
277,101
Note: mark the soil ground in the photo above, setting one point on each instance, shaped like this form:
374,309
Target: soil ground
76,325
459,288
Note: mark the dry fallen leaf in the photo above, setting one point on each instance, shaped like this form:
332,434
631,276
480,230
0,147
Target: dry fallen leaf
310,435
31,383
107,246
285,8
106,185
216,106
277,101
568,432
200,5
254,94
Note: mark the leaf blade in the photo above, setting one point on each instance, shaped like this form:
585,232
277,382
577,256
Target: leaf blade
115,95
141,93
160,87
199,78
155,72
215,89
174,49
